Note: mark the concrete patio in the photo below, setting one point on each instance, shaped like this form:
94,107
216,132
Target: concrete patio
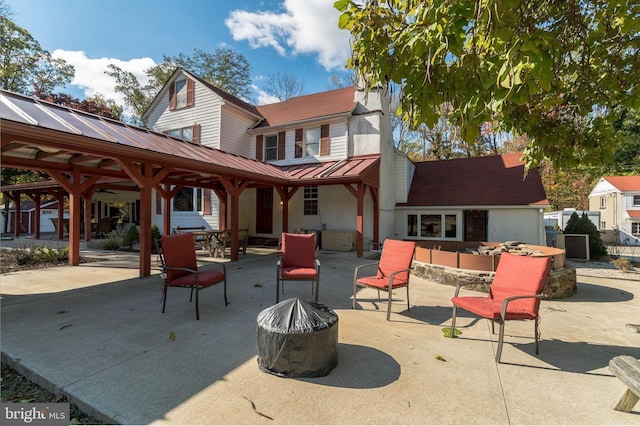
96,333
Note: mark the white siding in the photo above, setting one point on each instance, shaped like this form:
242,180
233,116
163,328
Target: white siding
404,175
205,111
338,139
233,132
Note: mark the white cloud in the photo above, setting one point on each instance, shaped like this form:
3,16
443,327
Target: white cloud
306,27
90,74
262,97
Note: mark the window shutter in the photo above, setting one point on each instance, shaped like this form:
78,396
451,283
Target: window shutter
259,147
281,138
207,201
299,143
324,139
196,134
172,97
190,92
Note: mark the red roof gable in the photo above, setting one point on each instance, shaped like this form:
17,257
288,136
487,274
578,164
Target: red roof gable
477,181
324,104
624,183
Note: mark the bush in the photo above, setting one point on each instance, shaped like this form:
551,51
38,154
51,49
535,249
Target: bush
24,255
155,235
131,237
49,254
582,225
111,242
622,263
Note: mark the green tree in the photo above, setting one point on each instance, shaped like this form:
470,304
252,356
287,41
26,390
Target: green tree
224,68
24,65
583,225
555,70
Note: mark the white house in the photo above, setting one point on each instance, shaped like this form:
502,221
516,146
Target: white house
315,135
618,200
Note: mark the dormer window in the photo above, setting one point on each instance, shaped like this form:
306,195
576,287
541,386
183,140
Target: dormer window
181,94
312,141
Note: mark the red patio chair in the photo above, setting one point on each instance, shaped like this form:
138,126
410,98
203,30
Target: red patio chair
298,262
515,294
393,271
180,268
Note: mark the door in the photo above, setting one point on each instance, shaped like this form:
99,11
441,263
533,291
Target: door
264,210
475,225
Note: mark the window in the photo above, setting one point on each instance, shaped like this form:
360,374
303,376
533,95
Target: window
185,133
636,200
312,141
271,148
310,200
188,200
603,225
635,228
603,202
434,226
181,93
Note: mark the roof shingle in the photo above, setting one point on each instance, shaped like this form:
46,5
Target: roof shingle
478,181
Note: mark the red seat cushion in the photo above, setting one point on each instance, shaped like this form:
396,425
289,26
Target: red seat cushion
295,273
205,279
179,251
382,283
490,308
298,250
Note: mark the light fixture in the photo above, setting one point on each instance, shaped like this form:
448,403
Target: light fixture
281,203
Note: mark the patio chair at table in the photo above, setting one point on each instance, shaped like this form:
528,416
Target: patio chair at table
515,294
177,254
298,262
394,271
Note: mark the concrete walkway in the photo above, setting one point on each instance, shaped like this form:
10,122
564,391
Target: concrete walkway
96,333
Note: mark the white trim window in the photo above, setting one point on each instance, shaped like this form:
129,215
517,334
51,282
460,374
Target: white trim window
603,202
635,228
181,93
188,200
312,141
636,200
436,226
310,201
185,133
270,147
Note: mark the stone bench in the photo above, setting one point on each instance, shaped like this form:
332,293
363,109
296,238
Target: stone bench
627,369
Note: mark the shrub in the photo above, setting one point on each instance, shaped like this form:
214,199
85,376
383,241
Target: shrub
155,235
622,263
111,242
131,237
49,254
25,255
583,225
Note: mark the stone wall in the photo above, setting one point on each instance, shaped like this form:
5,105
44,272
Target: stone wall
563,282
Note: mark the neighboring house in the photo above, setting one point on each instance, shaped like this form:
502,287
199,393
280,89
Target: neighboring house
48,211
618,200
474,199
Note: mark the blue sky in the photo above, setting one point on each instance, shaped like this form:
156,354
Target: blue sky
299,37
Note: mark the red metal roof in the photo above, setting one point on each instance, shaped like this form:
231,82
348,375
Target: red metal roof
624,183
354,168
300,108
633,213
477,181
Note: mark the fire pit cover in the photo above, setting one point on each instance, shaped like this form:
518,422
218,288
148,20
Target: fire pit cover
297,338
